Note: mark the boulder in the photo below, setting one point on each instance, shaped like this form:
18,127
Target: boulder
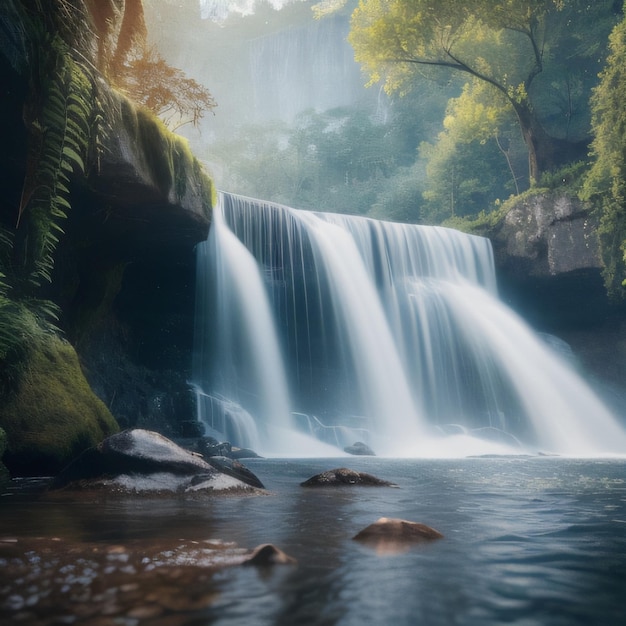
547,234
359,449
236,469
51,415
548,261
390,535
343,476
211,447
142,461
268,554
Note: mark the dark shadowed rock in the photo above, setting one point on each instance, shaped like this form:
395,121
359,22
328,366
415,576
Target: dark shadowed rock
234,468
144,461
209,448
359,449
268,554
390,536
343,476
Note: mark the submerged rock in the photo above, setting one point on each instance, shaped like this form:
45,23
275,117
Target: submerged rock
268,554
345,476
391,536
140,461
359,449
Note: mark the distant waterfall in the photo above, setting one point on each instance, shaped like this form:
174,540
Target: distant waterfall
317,330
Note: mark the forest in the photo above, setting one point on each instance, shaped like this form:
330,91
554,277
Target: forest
468,105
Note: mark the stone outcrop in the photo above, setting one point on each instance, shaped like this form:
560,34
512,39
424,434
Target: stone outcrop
156,192
547,234
549,270
139,461
548,262
343,476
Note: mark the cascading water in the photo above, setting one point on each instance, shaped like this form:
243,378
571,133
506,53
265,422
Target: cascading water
316,327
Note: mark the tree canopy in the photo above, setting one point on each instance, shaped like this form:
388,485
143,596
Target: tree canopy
506,45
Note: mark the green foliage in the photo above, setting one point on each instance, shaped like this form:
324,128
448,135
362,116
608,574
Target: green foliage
482,223
569,178
605,184
477,159
21,324
331,161
400,197
64,128
60,127
505,45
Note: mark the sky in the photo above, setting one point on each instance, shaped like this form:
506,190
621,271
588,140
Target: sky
220,9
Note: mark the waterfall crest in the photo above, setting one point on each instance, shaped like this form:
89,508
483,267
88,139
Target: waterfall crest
317,330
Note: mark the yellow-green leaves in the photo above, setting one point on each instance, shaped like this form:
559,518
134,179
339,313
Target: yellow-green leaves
606,182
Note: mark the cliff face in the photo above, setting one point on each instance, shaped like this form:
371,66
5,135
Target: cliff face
548,261
120,257
125,273
547,235
549,270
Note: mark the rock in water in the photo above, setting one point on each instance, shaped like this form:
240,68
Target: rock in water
237,470
344,476
268,554
359,449
391,536
144,461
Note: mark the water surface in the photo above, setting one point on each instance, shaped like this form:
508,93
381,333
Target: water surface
528,540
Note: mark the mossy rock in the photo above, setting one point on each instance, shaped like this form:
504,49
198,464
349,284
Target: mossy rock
53,415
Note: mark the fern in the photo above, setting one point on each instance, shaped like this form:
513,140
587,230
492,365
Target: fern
59,146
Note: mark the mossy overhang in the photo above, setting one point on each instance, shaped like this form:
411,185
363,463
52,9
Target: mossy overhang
148,186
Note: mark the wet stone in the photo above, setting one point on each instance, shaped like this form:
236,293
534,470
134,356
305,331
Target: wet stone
343,476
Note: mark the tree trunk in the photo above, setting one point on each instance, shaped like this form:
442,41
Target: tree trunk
541,147
545,153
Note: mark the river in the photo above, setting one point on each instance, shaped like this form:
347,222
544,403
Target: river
527,541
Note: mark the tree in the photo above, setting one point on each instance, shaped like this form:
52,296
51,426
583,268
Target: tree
504,44
138,70
606,181
151,82
475,159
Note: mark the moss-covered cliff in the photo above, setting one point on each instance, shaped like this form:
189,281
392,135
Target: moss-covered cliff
100,208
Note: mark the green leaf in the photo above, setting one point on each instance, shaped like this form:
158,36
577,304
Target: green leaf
75,157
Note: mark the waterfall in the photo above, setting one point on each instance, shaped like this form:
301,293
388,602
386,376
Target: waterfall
316,330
